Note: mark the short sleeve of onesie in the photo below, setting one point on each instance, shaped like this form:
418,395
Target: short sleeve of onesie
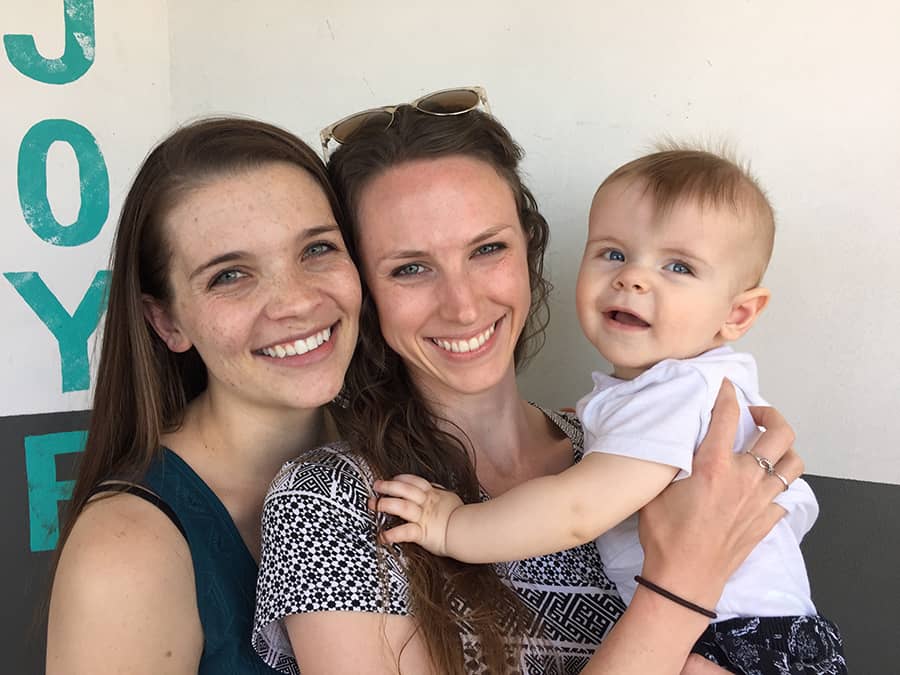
318,550
660,416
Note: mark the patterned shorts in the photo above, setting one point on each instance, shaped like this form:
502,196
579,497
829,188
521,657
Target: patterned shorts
783,645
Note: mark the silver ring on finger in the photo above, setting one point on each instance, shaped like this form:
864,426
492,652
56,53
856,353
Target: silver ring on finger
784,481
764,463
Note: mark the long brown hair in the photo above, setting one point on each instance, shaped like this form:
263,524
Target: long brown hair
142,387
386,419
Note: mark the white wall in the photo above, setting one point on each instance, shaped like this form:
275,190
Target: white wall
807,89
123,100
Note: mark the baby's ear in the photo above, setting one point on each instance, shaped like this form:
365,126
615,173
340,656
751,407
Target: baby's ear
744,309
160,317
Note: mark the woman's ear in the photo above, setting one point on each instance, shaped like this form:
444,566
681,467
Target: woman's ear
744,309
159,316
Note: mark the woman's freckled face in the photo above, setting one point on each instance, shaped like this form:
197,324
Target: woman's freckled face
445,258
258,262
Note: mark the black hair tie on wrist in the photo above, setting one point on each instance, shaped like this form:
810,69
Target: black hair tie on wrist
674,598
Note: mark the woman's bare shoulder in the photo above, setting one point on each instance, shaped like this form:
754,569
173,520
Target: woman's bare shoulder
117,533
123,596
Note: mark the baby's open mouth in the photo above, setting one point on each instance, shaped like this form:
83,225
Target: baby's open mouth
627,318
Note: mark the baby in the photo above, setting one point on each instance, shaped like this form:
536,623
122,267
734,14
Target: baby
678,242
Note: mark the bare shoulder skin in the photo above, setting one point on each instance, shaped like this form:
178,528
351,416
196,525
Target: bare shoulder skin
124,598
382,644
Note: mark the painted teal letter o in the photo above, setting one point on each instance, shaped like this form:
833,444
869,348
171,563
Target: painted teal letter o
93,179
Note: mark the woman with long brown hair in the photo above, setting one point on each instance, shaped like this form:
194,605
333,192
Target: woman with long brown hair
450,245
232,316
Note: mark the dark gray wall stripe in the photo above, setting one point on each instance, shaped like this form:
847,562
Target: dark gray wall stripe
853,555
25,574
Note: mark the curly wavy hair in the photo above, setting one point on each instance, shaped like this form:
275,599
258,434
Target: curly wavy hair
386,419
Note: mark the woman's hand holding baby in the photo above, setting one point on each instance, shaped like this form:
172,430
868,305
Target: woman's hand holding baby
699,530
426,509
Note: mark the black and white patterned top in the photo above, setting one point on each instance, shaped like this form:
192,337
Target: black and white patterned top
319,554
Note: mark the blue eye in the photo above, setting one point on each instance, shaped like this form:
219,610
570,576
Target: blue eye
318,249
678,268
226,277
487,249
614,255
412,269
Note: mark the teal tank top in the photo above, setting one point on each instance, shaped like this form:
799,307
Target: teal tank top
224,569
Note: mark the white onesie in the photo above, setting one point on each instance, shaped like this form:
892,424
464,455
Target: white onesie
662,416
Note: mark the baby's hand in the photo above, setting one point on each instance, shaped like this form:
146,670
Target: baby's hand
426,508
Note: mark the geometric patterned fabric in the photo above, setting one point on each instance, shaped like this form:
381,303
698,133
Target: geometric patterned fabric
319,553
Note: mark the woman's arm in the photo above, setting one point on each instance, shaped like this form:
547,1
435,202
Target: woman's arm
695,534
365,643
124,599
697,665
322,576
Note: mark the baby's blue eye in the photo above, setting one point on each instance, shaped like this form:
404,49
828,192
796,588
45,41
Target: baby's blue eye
408,270
614,255
678,268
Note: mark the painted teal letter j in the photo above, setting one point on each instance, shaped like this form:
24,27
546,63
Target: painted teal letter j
77,57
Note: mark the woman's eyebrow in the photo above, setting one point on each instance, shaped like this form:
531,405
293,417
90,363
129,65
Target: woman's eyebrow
405,254
310,232
231,256
218,260
488,234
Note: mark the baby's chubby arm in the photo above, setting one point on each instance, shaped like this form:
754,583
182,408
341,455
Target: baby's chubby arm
540,516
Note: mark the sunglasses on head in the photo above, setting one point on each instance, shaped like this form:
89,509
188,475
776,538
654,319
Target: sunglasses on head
455,101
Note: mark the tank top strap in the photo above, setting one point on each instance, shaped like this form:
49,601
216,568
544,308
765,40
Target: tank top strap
224,569
139,491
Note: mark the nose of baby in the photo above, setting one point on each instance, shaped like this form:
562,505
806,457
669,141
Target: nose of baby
631,278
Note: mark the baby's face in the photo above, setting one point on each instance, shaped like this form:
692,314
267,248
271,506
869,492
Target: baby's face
653,286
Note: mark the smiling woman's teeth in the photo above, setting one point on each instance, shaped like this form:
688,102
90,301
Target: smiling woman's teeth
464,346
300,346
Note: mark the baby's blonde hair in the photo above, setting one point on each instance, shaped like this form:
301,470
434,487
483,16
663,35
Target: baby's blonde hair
677,173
